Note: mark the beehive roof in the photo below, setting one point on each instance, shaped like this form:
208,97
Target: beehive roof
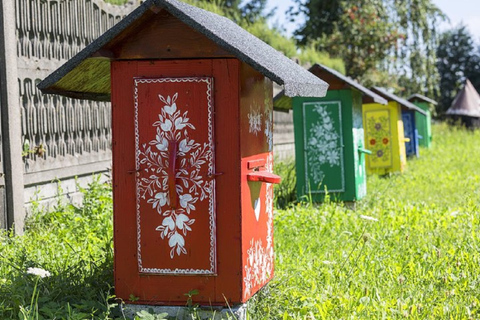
392,97
420,97
326,73
467,102
225,33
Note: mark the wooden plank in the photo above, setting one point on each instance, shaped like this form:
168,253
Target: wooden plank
162,36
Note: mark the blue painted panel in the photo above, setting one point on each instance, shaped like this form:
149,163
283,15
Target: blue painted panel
411,147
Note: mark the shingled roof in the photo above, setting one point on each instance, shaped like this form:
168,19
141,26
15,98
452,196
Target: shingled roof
392,97
421,98
282,103
466,103
225,33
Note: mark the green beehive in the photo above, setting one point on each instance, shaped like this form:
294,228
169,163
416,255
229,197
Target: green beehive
329,141
424,122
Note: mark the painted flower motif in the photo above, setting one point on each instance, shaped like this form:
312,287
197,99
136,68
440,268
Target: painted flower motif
323,144
184,146
378,130
170,105
191,186
269,128
167,226
177,243
158,201
333,156
182,222
259,266
167,125
162,143
161,197
179,123
187,201
255,121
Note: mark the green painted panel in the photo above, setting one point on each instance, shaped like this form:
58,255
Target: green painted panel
341,110
323,146
360,175
424,124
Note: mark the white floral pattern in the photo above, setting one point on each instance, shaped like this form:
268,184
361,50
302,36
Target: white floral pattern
255,121
269,128
323,145
173,126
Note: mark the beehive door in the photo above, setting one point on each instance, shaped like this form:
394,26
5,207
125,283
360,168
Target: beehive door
378,137
323,147
411,134
175,199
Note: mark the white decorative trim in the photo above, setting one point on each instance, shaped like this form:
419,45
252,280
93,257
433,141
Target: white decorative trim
306,147
268,121
170,119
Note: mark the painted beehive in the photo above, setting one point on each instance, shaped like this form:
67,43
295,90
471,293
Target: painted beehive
329,138
423,122
192,146
384,138
408,111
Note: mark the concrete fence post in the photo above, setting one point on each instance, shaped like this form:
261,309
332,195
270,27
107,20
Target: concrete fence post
10,118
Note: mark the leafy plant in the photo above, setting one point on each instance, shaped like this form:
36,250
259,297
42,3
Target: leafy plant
285,192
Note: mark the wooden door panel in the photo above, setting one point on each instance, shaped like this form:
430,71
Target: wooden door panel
175,165
162,286
323,146
409,131
378,138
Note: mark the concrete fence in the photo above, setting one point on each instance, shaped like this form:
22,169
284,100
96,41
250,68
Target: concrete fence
50,144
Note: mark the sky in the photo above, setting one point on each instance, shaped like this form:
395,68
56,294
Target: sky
467,11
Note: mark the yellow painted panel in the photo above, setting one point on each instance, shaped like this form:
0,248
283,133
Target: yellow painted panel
384,137
401,139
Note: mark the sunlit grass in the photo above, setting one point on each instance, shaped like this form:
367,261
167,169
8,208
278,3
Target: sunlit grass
409,250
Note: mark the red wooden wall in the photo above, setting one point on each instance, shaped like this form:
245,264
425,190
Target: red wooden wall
186,134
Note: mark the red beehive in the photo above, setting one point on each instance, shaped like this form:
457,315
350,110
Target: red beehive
192,147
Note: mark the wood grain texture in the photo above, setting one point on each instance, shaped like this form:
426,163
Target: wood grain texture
162,36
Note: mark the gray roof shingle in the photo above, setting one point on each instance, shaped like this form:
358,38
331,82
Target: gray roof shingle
354,84
421,97
281,102
392,97
225,33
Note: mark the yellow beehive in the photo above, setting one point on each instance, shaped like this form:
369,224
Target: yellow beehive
384,137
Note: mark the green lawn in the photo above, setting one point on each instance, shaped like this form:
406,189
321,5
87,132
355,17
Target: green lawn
409,250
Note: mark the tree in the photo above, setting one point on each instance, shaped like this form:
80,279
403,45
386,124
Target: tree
375,37
458,59
243,11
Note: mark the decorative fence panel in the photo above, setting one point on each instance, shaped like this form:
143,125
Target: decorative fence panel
61,138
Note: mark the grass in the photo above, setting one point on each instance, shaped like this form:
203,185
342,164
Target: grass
409,250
